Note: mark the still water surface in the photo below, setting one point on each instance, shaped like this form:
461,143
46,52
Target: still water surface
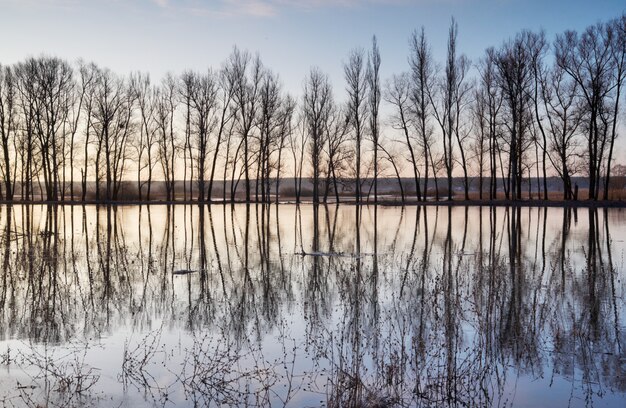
304,306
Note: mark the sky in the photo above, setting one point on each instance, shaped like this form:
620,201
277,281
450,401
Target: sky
160,36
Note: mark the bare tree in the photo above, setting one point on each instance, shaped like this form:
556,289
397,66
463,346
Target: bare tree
588,60
226,80
203,99
92,72
492,98
186,89
618,55
355,75
112,125
398,94
422,75
8,128
448,111
373,82
463,127
147,138
298,141
481,139
165,106
87,78
269,122
338,155
537,48
50,85
247,73
284,133
317,105
514,77
559,96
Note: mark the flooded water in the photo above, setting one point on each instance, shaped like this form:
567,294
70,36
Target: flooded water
304,306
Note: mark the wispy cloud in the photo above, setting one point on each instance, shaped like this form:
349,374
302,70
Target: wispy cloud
224,8
269,8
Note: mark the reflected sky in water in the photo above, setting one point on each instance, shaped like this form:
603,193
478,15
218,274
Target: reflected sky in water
311,306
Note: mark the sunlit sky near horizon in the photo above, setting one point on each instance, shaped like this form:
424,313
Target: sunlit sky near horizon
158,36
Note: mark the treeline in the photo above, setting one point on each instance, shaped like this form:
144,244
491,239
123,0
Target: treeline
527,108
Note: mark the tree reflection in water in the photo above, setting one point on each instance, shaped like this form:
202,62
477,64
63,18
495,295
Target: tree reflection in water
311,305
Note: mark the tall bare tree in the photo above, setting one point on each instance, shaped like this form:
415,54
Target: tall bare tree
374,97
226,79
317,105
338,155
618,54
588,59
269,123
490,93
284,134
447,112
422,76
398,94
8,128
112,125
559,97
165,107
514,75
203,99
355,75
186,89
248,72
146,140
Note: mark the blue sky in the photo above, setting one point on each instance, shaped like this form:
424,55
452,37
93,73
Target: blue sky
291,36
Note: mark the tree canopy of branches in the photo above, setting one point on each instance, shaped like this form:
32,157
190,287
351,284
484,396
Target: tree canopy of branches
531,108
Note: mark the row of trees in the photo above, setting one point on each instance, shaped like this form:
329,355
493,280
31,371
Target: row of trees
527,108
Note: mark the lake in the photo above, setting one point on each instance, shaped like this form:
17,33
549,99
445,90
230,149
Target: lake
297,306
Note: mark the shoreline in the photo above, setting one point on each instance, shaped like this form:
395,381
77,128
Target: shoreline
381,203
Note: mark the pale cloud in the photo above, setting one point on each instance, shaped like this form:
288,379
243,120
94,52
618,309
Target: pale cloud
227,8
272,8
255,8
